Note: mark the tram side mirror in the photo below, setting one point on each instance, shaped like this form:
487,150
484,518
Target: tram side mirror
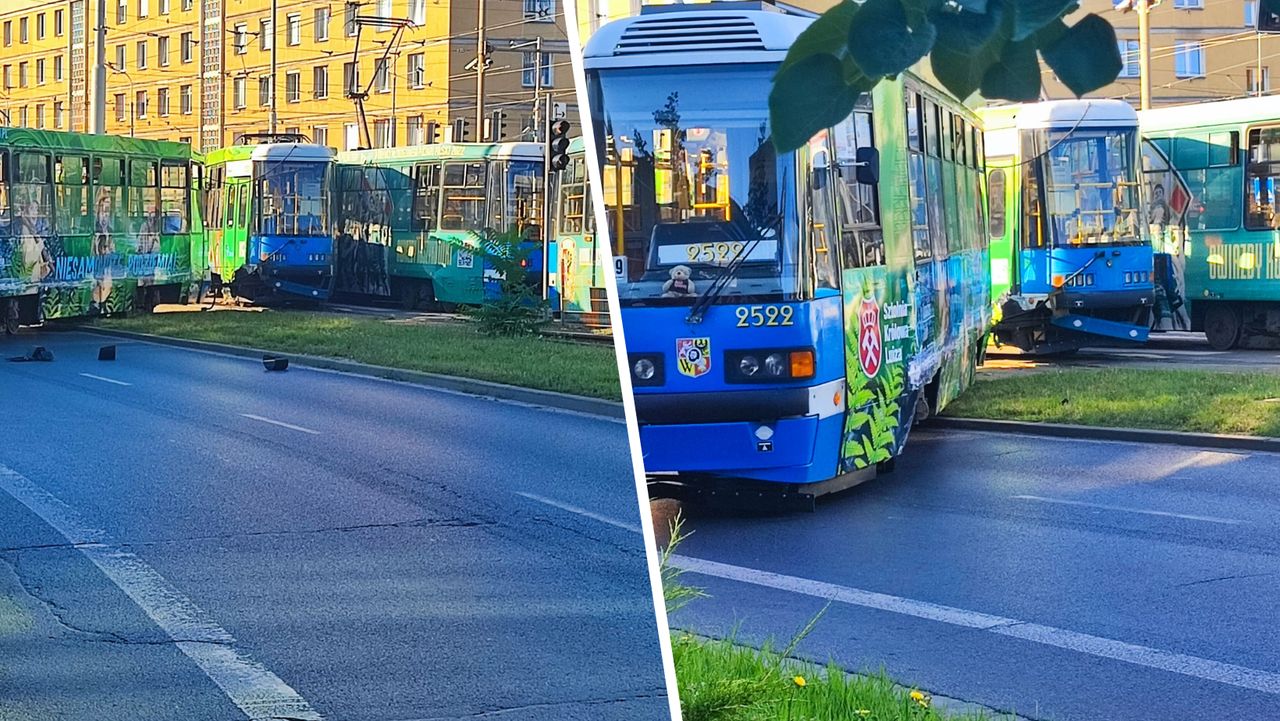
867,166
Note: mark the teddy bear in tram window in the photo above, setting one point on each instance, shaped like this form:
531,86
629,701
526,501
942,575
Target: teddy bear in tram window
679,286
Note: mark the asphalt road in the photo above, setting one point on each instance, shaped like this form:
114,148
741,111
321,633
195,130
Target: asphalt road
186,536
1058,579
1173,350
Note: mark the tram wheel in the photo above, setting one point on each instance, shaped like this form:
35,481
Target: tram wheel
1223,326
11,317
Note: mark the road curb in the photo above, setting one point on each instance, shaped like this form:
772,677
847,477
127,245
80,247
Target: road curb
1136,435
487,389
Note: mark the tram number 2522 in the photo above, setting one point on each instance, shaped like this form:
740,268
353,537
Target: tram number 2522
756,316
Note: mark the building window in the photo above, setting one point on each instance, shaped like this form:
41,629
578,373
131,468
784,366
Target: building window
122,11
120,58
8,77
320,82
23,122
265,33
39,115
538,10
141,59
264,90
187,44
8,33
416,73
162,51
57,23
1251,80
164,7
382,75
242,39
529,69
188,4
293,30
162,101
293,87
383,10
184,99
119,107
1251,13
384,133
418,12
57,114
350,136
1188,58
22,75
40,26
1129,56
413,130
24,34
144,8
321,24
57,68
349,19
40,71
1188,4
350,79
319,135
238,92
140,104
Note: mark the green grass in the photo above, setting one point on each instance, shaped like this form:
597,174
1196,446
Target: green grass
720,680
455,349
1193,401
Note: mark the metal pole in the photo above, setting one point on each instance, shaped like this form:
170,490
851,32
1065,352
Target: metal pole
274,44
1144,53
1258,78
98,116
539,122
391,71
480,62
546,187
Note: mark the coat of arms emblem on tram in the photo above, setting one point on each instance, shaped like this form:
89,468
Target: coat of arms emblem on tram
870,345
693,356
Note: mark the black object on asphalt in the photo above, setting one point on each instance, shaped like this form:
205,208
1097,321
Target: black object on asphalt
39,353
275,363
107,353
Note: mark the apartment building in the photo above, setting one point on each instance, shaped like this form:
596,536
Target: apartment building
200,70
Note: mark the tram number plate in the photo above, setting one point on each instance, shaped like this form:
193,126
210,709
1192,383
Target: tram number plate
713,253
757,316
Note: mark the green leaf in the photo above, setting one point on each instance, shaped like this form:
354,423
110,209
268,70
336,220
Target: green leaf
1031,15
1016,76
968,44
1270,6
882,42
1086,57
966,31
809,96
828,35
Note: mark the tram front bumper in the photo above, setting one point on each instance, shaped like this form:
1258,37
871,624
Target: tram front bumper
725,447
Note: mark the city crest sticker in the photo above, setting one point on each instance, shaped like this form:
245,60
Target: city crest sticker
693,356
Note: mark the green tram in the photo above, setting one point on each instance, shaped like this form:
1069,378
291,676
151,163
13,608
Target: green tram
1229,155
576,273
95,225
417,223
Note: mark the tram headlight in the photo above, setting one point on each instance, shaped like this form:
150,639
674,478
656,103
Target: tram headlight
644,369
775,364
749,365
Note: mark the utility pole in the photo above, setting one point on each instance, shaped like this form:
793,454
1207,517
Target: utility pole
98,115
1257,78
274,90
1144,53
481,60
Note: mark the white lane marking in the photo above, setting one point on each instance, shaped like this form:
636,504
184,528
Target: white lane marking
634,528
1124,509
258,692
1194,666
282,424
105,379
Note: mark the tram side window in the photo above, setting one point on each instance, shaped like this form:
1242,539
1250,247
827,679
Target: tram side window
108,195
573,198
212,194
524,199
995,199
936,210
916,183
32,196
862,242
1261,179
821,226
4,195
175,182
1210,165
144,203
426,196
464,197
71,195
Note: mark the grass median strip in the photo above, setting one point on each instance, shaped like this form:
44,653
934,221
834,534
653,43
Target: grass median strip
1174,400
454,349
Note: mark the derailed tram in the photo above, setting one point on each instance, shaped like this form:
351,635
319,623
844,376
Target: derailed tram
788,315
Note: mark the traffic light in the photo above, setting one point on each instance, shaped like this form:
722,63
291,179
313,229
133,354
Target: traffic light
558,144
498,125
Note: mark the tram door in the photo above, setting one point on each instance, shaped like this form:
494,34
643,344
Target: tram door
1167,199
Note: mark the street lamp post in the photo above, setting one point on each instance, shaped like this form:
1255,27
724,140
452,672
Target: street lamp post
132,100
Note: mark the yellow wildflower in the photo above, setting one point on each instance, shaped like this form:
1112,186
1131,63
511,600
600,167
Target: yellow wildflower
863,712
920,698
799,681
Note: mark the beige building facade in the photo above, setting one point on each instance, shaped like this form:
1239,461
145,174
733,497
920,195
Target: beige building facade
200,70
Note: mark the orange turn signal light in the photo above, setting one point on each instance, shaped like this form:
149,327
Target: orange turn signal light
1058,281
802,364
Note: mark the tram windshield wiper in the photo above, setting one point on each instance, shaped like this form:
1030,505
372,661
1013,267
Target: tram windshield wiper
728,275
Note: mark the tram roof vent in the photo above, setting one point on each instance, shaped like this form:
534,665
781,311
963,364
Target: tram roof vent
709,32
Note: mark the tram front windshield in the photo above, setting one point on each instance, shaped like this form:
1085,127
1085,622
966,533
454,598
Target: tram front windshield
294,197
1090,186
694,182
